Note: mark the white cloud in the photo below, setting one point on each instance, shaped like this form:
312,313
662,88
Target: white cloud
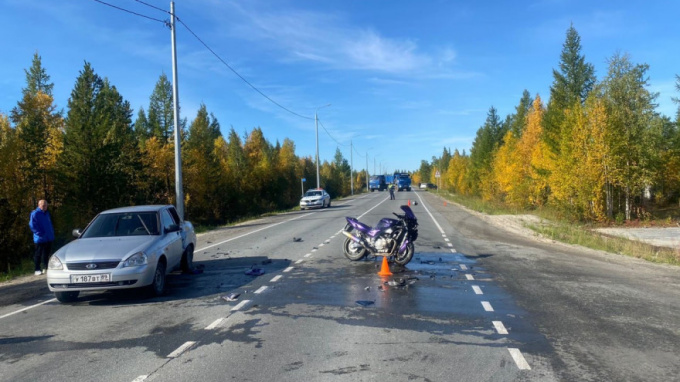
330,39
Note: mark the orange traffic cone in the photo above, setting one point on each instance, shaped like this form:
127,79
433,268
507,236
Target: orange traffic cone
409,203
385,269
444,203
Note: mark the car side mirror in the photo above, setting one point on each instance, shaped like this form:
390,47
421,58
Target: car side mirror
173,228
77,232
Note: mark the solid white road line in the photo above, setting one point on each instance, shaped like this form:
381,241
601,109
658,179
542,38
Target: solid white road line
430,213
214,324
181,349
240,305
27,308
500,328
519,359
288,269
487,306
469,276
463,267
261,289
275,279
477,289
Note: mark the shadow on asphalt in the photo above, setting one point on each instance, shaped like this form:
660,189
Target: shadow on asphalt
218,277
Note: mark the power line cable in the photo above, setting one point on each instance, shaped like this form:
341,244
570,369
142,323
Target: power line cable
153,6
329,134
129,11
240,76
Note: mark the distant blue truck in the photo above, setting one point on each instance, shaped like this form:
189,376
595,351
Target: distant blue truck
402,182
377,182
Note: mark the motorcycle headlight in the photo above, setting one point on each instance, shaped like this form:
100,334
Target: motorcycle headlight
55,263
135,260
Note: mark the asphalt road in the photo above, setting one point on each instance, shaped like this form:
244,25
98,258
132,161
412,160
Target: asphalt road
481,305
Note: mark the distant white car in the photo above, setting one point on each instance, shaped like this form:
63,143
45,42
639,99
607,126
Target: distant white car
316,198
423,186
128,247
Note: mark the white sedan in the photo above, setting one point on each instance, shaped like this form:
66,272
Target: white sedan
123,248
316,198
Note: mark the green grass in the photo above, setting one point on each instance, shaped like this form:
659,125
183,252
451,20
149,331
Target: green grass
23,269
575,233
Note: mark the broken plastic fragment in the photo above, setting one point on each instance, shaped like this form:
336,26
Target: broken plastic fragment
255,272
297,239
365,302
231,296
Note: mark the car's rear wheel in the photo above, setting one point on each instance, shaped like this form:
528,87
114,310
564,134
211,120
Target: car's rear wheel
157,287
67,296
329,202
188,259
353,250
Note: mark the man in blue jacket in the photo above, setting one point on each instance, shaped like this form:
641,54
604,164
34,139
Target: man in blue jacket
43,235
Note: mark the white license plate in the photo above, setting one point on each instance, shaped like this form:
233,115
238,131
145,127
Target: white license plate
96,278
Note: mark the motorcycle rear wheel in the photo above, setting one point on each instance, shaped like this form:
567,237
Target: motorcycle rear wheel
406,256
353,251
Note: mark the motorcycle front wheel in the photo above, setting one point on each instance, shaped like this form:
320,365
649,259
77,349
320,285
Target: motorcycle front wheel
353,250
406,256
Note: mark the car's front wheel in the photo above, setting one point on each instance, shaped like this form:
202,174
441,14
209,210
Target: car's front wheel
157,287
67,296
188,259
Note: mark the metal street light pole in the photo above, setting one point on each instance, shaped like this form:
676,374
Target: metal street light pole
351,165
179,192
316,125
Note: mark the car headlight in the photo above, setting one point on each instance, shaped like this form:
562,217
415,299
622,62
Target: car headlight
135,260
55,263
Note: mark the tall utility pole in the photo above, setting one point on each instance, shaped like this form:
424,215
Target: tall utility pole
351,166
366,171
316,125
175,99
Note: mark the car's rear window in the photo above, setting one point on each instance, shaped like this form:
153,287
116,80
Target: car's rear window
123,224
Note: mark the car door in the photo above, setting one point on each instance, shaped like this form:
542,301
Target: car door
172,241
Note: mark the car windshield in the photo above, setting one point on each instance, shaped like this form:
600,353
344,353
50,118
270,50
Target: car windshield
123,224
313,193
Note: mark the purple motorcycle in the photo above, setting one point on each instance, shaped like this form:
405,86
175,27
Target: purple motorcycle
391,237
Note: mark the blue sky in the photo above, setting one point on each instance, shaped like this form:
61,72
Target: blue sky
404,78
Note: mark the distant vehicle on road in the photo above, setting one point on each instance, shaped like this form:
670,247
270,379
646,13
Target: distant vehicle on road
402,181
123,248
316,198
425,186
377,182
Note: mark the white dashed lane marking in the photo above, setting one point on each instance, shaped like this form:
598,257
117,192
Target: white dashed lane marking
299,261
288,269
487,306
463,267
214,324
261,289
477,289
309,254
449,244
275,278
240,305
469,276
186,346
500,328
519,359
446,239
